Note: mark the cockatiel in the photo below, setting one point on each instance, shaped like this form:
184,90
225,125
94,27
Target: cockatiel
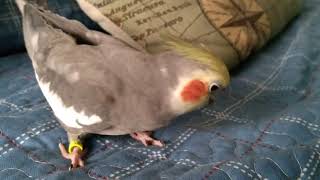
97,84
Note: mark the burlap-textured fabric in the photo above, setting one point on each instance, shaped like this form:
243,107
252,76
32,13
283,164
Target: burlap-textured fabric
231,29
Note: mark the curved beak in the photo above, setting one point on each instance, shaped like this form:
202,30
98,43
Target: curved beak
211,99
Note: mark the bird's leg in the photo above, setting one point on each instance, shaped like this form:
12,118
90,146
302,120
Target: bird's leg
146,139
75,151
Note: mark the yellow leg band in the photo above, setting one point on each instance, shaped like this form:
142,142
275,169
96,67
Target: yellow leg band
73,144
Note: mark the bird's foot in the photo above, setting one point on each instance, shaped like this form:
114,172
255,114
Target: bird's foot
146,139
74,156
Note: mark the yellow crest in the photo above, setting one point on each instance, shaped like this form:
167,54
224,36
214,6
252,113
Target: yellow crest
198,54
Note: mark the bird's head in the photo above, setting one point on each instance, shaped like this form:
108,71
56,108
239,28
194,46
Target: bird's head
196,88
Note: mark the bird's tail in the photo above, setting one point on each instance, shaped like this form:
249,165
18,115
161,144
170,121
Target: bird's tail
41,3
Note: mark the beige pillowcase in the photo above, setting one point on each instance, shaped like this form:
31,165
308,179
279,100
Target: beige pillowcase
230,29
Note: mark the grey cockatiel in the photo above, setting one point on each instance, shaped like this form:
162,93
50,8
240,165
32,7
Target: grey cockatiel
98,84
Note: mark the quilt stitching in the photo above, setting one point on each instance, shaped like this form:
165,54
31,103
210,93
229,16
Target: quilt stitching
255,93
31,156
29,134
160,155
264,130
225,137
312,159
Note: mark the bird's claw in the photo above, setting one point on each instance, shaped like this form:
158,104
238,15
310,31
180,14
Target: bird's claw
74,156
146,139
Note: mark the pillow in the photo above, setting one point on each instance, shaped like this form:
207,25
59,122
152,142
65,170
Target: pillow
11,38
231,29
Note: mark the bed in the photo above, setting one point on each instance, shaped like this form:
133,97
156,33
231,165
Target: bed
266,125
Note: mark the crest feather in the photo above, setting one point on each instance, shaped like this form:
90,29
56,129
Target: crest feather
196,53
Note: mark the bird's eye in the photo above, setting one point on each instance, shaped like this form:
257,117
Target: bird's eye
213,87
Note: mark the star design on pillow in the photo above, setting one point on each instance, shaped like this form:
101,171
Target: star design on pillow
240,19
243,23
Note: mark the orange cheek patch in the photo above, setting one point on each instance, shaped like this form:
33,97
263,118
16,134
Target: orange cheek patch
194,90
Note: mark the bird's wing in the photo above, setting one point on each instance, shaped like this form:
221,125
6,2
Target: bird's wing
104,79
82,83
76,77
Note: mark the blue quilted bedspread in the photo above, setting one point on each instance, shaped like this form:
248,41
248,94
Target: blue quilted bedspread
266,125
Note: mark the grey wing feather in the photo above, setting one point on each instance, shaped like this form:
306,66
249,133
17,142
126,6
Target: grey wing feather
50,40
71,27
87,76
81,81
74,28
109,26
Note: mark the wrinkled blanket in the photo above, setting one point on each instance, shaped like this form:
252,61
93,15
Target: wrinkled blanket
265,125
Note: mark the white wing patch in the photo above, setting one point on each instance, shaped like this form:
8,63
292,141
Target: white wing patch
68,115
